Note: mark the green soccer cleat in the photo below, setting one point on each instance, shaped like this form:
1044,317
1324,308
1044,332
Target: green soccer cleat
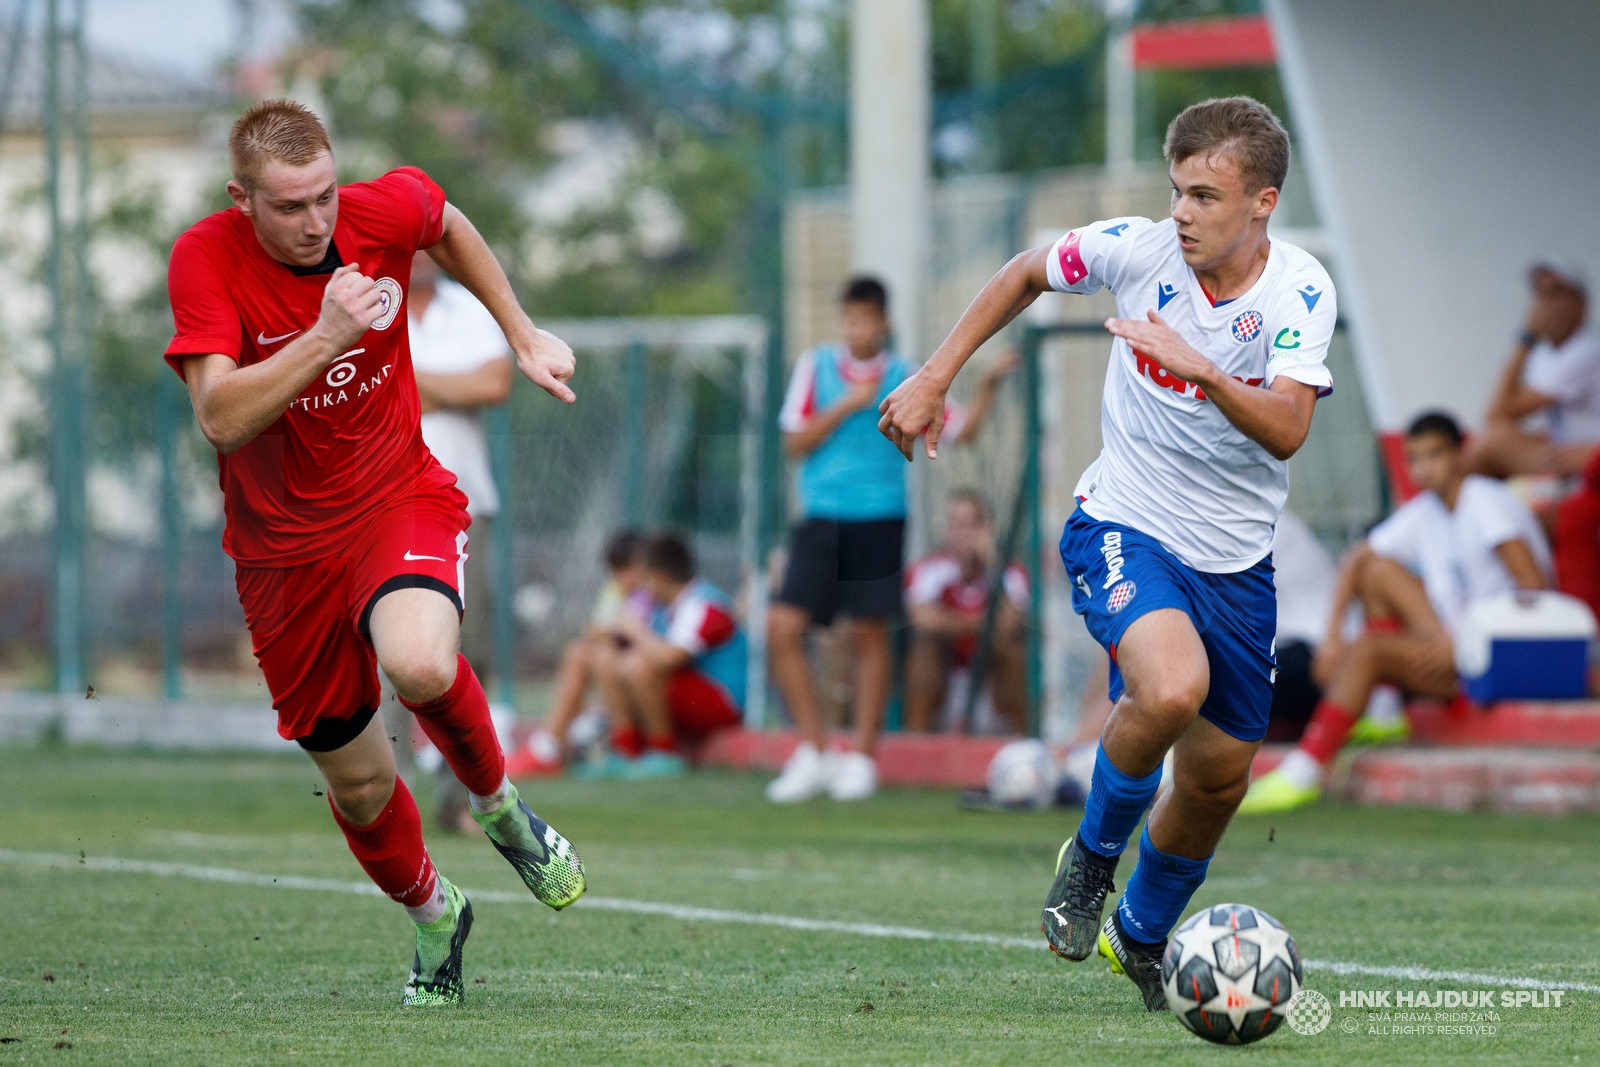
547,862
1368,731
1272,793
1143,965
439,946
1072,911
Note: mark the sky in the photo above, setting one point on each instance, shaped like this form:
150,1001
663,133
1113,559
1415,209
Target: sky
187,38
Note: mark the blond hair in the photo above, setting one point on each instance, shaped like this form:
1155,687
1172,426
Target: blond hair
1240,126
274,129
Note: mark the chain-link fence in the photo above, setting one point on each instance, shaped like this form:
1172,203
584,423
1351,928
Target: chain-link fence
664,436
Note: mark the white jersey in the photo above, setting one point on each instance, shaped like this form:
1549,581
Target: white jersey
1453,552
1571,375
1172,465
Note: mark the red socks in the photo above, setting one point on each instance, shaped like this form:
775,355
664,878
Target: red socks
459,726
390,849
631,744
628,742
1325,733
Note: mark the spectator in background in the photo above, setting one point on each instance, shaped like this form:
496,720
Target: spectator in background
1544,416
624,593
462,363
947,598
1462,538
684,677
847,553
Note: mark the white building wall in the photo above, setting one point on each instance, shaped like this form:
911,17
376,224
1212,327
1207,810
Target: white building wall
1449,143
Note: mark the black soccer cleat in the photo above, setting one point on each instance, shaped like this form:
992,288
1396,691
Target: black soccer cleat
1138,961
1071,918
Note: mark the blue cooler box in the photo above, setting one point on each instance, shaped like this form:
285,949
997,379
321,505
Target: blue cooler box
1525,647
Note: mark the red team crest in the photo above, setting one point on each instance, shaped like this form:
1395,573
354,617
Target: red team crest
1120,597
1247,327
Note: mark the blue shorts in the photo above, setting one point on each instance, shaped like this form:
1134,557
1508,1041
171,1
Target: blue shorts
1119,574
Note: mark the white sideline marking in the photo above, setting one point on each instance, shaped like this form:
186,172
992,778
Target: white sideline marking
684,911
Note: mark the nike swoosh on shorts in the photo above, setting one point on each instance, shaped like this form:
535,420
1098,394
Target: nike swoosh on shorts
409,557
263,339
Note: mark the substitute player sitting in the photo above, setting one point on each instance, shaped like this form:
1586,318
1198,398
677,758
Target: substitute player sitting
1462,538
1215,370
947,598
684,677
348,536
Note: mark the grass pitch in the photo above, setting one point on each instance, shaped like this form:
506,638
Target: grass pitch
140,968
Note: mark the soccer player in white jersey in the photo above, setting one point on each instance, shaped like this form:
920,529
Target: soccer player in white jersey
1216,366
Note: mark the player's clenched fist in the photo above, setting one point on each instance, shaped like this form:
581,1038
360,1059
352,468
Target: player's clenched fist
548,362
350,304
916,405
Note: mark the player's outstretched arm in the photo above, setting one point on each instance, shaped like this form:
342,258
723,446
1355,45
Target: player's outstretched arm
236,403
918,404
463,254
1277,419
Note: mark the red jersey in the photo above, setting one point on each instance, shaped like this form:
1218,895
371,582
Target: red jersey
937,579
351,442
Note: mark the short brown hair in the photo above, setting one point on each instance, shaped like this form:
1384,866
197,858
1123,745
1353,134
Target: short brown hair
274,129
1245,128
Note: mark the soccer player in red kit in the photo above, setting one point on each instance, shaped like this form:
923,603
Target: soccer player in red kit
347,535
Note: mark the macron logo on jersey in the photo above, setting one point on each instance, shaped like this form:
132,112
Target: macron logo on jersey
1164,294
1310,294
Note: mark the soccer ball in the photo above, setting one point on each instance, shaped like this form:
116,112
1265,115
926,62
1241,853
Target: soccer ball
1230,972
1023,774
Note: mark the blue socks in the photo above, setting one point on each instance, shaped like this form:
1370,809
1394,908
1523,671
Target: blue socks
1158,891
1116,803
1162,884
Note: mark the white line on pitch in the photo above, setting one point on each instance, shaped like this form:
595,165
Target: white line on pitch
684,911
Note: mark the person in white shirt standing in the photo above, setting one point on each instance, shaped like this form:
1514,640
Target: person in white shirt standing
1464,537
1215,370
1544,416
463,364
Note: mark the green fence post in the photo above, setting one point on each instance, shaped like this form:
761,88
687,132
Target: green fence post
502,459
171,536
66,435
1031,342
633,431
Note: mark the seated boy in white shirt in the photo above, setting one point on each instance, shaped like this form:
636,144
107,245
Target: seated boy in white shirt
1462,538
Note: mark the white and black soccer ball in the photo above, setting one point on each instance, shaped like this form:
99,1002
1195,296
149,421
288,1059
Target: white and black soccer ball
1230,972
1023,774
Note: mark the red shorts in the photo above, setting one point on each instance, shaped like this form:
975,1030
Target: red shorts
699,705
308,623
